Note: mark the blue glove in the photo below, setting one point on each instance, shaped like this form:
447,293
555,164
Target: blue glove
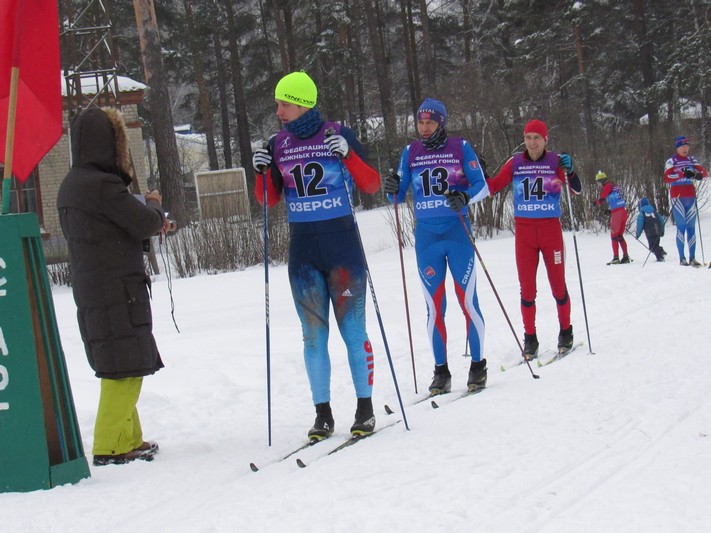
457,199
337,145
566,162
261,159
392,184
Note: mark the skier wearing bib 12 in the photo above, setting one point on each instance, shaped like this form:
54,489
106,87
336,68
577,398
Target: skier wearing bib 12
679,172
445,175
616,203
314,170
538,178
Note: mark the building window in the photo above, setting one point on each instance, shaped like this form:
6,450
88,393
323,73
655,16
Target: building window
24,197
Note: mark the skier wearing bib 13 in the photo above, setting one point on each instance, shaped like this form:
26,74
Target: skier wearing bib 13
445,175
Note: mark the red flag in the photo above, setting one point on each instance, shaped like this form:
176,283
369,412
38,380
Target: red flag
29,41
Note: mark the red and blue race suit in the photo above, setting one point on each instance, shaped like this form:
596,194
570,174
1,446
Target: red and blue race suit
683,200
326,263
616,202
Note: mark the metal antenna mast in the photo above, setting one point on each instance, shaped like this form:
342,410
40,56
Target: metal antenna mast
89,55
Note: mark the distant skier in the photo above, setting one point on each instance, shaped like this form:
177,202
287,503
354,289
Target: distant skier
538,178
445,175
616,203
652,223
315,171
679,172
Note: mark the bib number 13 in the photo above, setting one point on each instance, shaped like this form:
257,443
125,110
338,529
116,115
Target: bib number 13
439,177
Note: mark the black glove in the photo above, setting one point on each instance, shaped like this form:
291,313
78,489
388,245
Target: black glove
689,173
457,199
482,162
392,184
699,176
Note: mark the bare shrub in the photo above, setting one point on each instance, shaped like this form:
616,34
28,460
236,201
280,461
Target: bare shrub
225,245
406,218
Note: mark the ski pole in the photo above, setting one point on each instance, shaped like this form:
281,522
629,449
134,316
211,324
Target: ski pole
698,220
649,252
266,301
577,260
636,239
496,293
329,132
404,287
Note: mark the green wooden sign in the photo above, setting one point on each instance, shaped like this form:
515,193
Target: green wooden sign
40,443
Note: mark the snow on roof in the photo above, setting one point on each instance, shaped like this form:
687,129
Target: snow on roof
89,84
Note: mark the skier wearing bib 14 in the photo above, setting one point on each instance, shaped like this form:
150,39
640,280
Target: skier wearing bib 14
314,170
445,175
538,177
679,171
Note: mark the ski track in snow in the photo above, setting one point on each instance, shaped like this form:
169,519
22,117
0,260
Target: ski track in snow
615,440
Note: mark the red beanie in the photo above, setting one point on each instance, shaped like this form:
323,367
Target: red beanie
536,126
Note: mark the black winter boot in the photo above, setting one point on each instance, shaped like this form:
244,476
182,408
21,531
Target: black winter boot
323,425
364,423
442,380
477,376
530,346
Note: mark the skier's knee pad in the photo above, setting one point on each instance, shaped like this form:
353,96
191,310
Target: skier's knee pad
563,300
528,303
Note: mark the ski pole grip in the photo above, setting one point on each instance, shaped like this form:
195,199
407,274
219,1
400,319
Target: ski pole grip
330,131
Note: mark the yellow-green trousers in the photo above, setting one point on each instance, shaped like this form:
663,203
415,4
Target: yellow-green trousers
118,429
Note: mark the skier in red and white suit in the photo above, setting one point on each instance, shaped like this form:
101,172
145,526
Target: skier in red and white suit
538,177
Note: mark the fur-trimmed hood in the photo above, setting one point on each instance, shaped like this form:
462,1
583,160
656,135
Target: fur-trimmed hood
100,140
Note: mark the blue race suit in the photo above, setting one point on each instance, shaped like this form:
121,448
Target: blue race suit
441,239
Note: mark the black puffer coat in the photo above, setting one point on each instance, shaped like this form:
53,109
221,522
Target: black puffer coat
104,225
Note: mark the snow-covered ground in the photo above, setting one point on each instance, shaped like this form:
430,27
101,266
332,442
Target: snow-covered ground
618,440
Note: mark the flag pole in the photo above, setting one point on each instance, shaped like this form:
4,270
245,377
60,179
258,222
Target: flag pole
11,113
10,139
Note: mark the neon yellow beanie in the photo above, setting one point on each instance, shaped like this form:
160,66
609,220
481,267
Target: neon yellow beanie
297,88
600,175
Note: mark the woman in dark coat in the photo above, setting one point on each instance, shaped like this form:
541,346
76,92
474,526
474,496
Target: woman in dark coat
104,226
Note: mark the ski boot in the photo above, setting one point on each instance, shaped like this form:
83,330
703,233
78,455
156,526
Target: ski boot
694,263
477,376
364,423
683,262
565,340
625,259
323,425
615,261
442,380
530,346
